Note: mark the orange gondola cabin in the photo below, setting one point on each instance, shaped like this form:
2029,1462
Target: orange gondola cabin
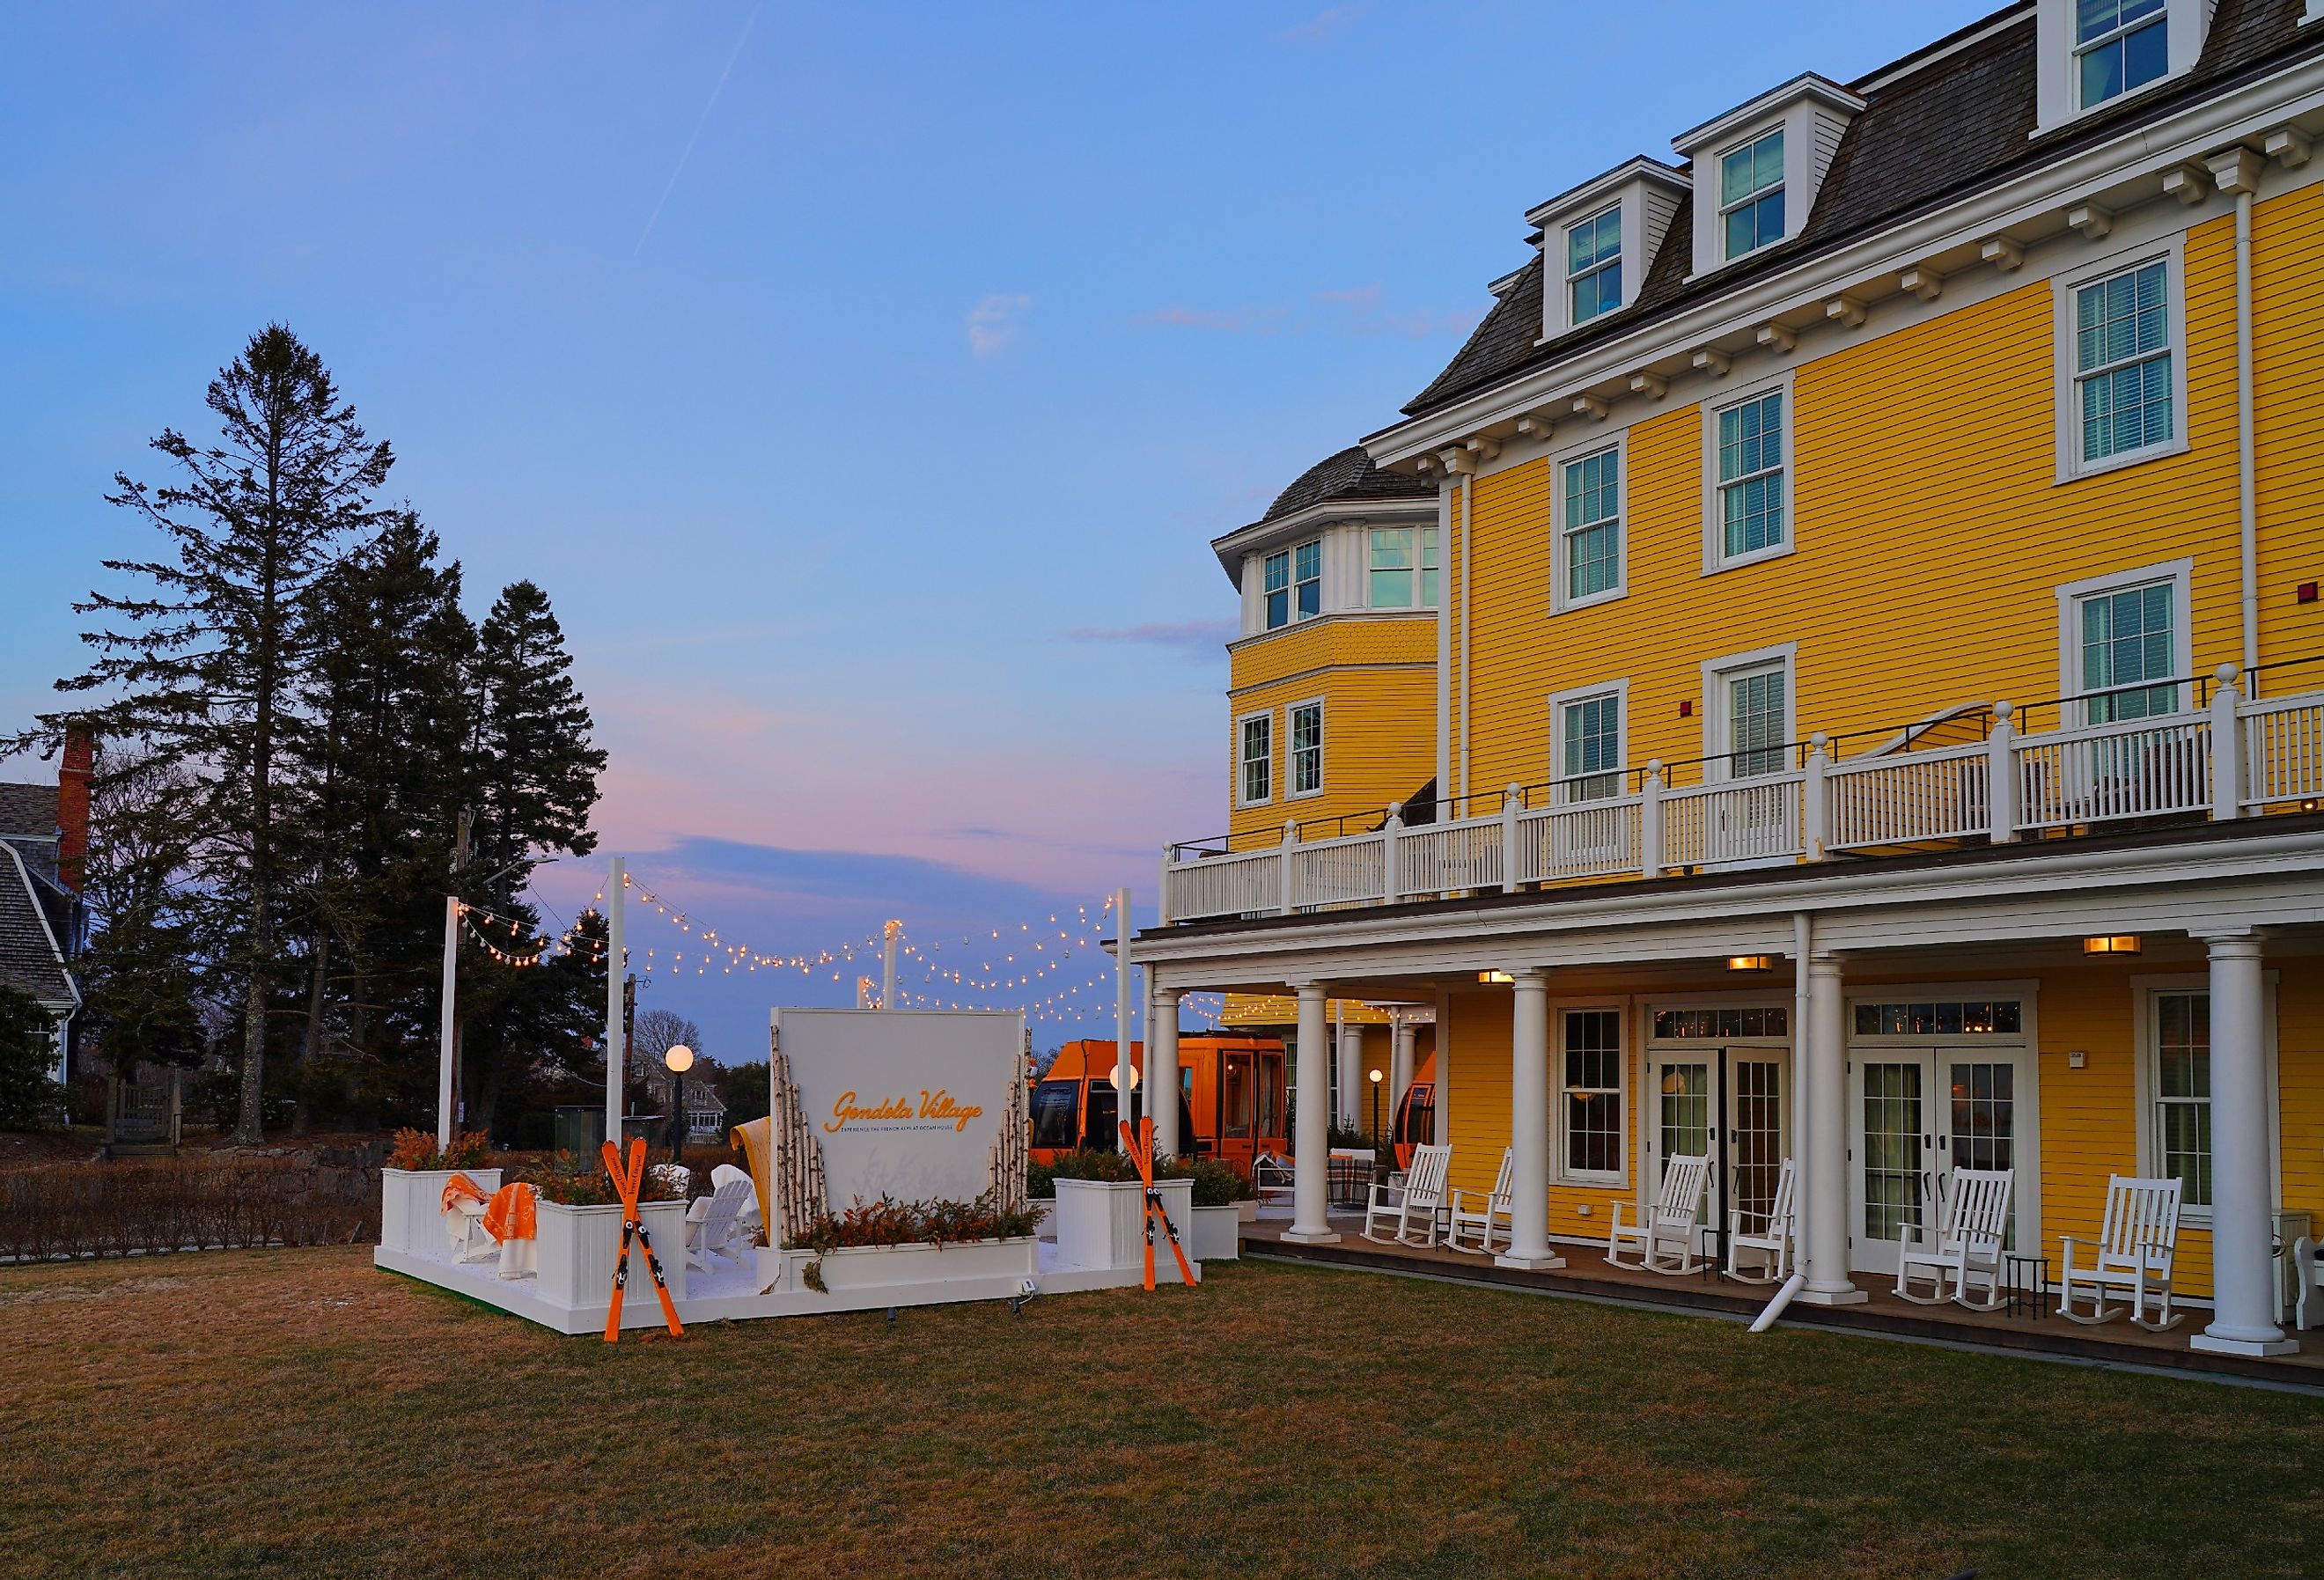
1230,1096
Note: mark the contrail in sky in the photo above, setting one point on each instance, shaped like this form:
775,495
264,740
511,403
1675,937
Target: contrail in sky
702,121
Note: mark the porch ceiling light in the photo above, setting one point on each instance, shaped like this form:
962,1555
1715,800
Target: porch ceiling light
2112,944
1750,962
1495,978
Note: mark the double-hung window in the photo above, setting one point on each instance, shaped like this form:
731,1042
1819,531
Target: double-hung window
1590,1094
2119,45
1304,764
1307,580
1590,747
2181,1087
1751,194
1757,717
2123,379
1255,757
1593,266
1403,567
1277,572
2124,637
1589,533
1751,483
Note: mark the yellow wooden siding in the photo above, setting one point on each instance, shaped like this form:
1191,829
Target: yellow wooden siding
1931,536
1333,640
2088,1118
2287,372
1380,742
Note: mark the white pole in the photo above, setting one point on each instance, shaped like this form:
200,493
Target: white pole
2245,1292
1529,1126
887,964
1123,1093
616,890
1162,1072
444,1054
1311,1146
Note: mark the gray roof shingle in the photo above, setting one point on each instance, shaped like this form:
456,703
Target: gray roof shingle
1348,476
28,961
29,809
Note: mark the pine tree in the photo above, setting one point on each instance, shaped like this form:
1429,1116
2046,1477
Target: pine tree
141,982
206,668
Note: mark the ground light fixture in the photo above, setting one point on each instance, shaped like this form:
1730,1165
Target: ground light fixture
1750,962
677,1058
2112,944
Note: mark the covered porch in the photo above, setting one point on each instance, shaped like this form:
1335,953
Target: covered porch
2142,1004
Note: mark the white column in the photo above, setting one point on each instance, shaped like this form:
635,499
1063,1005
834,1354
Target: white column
1347,1055
1399,1065
1162,1072
444,1049
1311,1146
1441,1132
1529,1126
1820,1053
2243,1265
616,890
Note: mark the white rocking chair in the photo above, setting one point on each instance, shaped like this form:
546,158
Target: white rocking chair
1767,1247
2133,1254
1664,1232
1480,1220
1418,1197
1967,1246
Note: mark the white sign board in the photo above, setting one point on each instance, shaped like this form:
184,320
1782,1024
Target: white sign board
905,1102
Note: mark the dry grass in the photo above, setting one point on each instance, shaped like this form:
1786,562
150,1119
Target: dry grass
295,1412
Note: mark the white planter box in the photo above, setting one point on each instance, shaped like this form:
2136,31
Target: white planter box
411,1207
876,1267
1102,1225
1247,1212
1218,1233
575,1250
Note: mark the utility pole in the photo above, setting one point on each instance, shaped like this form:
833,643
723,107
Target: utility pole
1124,1086
617,1029
447,1052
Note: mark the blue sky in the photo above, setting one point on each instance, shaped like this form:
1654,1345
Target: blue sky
865,383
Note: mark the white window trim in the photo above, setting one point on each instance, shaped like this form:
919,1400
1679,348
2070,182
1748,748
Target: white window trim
1643,1112
1419,531
1567,1174
1715,528
1719,178
2173,250
1715,672
1242,719
1322,580
2178,573
1620,211
2058,97
1323,749
1559,601
1558,702
2147,1060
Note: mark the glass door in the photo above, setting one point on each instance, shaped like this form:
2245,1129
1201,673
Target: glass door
1916,1117
1758,1103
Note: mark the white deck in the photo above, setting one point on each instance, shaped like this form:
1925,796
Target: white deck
730,1293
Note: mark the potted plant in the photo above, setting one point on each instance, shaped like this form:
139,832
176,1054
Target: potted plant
1101,1208
1220,1193
411,1187
579,1218
886,1242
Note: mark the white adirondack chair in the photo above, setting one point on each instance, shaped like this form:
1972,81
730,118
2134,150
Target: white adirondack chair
1417,1198
1967,1244
2134,1254
1767,1247
1469,1217
710,1222
1664,1232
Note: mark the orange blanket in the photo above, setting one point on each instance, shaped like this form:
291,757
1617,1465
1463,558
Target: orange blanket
460,1188
509,1215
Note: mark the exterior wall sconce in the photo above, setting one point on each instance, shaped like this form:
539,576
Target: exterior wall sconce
2112,944
1750,962
1495,978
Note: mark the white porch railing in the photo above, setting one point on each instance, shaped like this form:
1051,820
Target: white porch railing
2227,758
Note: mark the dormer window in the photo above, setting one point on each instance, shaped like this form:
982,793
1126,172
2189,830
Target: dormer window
1593,265
2119,45
1751,194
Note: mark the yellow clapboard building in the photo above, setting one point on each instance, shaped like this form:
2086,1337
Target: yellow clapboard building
1828,682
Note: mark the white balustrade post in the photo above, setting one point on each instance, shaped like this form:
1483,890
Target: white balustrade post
2001,775
2226,748
1289,850
1650,821
1311,1145
1823,1063
2242,1258
1529,1127
1815,791
1162,889
1511,800
1162,1071
1389,890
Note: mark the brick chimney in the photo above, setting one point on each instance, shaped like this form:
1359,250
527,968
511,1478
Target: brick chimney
72,808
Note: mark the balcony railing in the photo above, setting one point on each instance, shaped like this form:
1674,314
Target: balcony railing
1969,776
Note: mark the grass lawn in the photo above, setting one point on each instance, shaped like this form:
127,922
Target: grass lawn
295,1412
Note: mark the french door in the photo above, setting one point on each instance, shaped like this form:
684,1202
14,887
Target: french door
1734,1106
1914,1116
